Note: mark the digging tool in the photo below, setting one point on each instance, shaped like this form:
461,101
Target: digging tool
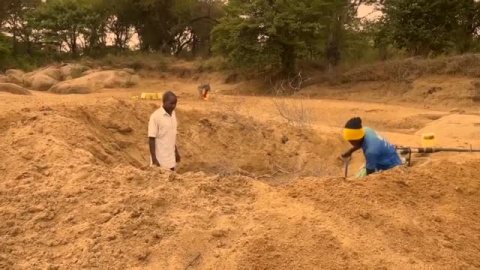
346,162
422,150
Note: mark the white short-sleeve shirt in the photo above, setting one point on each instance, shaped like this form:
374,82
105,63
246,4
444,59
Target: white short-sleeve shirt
163,127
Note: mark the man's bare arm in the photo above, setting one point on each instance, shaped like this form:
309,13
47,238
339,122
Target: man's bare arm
350,152
151,142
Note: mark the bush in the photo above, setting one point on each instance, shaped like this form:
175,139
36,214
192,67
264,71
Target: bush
136,61
213,64
412,68
6,58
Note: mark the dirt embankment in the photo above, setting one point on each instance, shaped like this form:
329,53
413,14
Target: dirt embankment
443,84
76,191
114,131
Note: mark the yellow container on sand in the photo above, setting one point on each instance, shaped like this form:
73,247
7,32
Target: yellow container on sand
151,96
428,140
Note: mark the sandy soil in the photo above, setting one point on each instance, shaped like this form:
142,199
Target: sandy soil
254,191
430,92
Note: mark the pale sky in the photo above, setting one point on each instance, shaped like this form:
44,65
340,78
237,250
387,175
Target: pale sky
368,12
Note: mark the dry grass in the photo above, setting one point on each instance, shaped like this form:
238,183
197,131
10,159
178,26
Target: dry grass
293,111
412,68
236,108
136,61
213,64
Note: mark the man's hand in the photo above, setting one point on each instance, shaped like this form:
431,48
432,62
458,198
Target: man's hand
177,157
347,154
350,152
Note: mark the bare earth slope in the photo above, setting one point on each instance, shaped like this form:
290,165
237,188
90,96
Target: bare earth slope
252,192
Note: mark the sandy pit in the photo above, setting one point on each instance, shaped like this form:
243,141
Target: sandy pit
253,191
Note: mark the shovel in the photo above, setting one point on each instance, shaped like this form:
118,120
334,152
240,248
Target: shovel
346,162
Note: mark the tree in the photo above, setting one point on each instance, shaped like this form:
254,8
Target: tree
196,21
423,26
468,23
15,24
3,10
119,22
5,51
61,22
153,20
269,33
341,17
94,29
207,13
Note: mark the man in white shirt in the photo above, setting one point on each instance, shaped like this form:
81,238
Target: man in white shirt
162,134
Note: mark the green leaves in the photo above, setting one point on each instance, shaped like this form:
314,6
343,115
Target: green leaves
273,34
259,33
61,21
426,27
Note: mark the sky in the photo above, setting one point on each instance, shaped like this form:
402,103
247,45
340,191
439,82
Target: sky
368,12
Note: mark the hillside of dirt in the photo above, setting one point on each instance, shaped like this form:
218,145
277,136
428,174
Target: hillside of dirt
260,185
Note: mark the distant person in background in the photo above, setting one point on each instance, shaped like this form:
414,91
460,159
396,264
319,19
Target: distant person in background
203,90
380,155
162,134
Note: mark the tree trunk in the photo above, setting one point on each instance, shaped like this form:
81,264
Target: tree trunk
332,49
28,42
14,37
73,42
124,39
209,46
288,60
118,40
195,42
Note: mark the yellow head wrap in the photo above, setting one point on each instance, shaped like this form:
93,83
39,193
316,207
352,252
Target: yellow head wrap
353,134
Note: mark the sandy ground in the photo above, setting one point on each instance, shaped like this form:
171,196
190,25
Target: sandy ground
260,185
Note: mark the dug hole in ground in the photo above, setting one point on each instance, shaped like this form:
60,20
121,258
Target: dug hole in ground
254,190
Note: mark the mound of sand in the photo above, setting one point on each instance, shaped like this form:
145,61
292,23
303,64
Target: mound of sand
72,87
95,81
61,80
53,72
464,128
42,82
65,156
15,76
114,131
27,78
72,70
401,219
13,89
76,191
41,79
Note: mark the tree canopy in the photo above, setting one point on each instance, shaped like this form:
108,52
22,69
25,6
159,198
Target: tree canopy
424,27
269,35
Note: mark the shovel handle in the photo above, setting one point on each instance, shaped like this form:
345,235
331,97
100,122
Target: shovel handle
346,162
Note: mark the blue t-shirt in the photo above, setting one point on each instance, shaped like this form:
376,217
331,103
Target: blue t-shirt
379,154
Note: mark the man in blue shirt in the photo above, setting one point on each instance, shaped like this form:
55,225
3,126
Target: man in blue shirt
380,155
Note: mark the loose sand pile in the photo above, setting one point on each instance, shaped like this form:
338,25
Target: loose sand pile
76,192
67,79
14,89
